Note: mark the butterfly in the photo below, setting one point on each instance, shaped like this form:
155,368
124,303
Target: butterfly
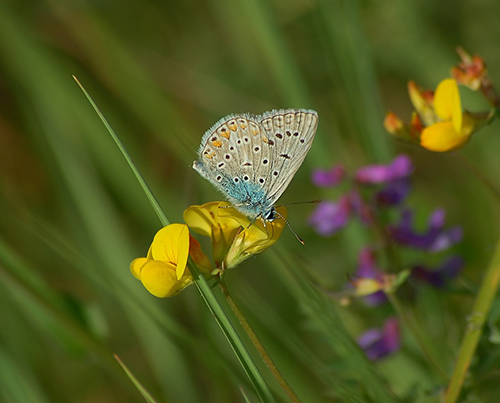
252,159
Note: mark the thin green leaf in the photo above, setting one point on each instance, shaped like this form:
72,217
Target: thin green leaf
142,390
206,292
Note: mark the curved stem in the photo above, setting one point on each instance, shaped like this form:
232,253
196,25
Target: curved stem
258,345
479,175
416,333
475,323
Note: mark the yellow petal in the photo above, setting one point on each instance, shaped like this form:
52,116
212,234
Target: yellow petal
264,237
201,219
255,239
136,266
422,101
443,137
235,218
182,251
447,103
168,242
210,220
367,286
160,279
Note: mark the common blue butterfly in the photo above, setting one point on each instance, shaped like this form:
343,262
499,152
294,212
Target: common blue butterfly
253,158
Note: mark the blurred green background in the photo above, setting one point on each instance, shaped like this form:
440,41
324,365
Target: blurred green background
72,216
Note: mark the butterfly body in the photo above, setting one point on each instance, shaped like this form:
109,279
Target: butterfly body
253,158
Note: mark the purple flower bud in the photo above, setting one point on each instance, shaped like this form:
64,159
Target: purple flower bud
367,268
401,167
328,218
437,219
367,264
375,299
362,210
393,193
378,343
329,177
440,276
433,240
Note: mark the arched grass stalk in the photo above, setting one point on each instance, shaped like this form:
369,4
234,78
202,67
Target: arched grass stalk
258,345
479,176
213,305
475,325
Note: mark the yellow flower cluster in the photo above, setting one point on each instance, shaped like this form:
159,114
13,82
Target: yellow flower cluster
439,123
234,238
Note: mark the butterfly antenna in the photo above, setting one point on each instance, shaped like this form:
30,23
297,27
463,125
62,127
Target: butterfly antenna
289,226
302,202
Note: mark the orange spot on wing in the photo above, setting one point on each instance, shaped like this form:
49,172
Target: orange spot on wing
232,126
217,143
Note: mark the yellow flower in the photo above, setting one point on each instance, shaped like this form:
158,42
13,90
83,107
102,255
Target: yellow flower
163,272
233,238
439,124
452,129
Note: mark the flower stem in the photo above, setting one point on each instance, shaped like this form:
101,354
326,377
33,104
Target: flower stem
258,345
475,323
416,333
479,175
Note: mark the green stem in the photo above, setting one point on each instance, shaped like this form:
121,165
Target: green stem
479,175
258,345
416,333
213,305
393,261
475,323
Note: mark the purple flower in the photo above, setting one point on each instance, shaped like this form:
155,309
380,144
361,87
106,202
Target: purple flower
433,240
328,177
362,209
393,193
367,268
378,343
401,167
439,277
329,217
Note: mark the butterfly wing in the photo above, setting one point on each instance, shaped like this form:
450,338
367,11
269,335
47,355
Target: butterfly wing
229,157
252,159
290,134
